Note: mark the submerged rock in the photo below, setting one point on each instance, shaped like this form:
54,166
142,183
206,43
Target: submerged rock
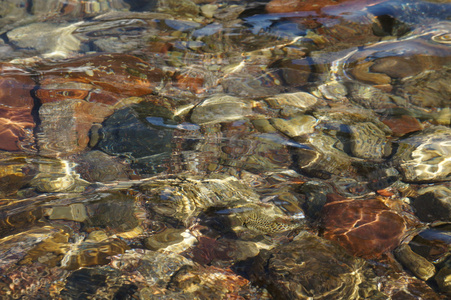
433,204
183,198
97,166
323,158
403,124
46,38
429,89
221,108
104,78
16,104
16,246
222,251
368,141
425,156
369,96
112,211
124,133
414,262
366,227
56,175
180,7
443,279
171,276
292,103
91,253
15,173
92,282
164,239
212,283
73,117
155,268
309,267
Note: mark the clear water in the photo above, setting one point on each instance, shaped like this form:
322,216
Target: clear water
214,149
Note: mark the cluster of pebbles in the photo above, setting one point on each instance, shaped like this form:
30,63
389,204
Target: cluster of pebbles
203,149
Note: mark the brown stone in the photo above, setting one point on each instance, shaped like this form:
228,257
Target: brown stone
286,6
105,78
362,71
15,86
366,228
16,103
16,127
402,124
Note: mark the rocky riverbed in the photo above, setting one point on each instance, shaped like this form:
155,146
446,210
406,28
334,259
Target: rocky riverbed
207,149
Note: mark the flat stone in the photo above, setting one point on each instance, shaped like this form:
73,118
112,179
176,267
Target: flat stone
295,126
290,103
221,108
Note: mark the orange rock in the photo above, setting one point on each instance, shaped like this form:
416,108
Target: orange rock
191,83
15,86
16,103
402,125
16,127
104,78
385,192
366,228
286,6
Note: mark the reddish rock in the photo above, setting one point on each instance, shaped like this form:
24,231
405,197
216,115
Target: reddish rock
287,6
104,78
193,83
16,103
366,228
16,128
402,124
15,86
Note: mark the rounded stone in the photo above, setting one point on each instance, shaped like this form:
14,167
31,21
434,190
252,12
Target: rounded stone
309,267
366,228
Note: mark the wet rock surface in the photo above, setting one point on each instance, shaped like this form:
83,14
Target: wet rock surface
427,155
366,227
205,149
310,266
